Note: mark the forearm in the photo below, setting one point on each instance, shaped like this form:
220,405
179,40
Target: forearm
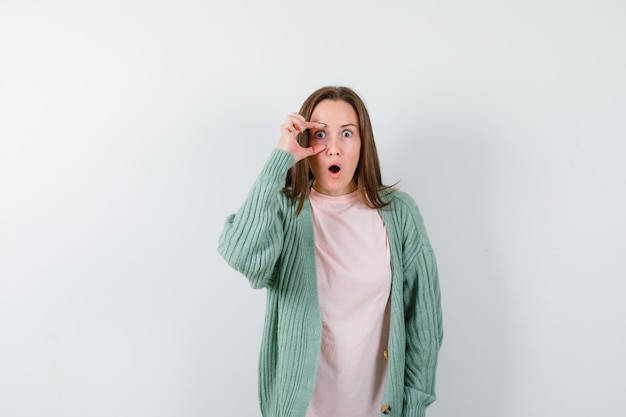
424,331
252,238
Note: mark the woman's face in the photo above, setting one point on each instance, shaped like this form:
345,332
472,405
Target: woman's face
334,167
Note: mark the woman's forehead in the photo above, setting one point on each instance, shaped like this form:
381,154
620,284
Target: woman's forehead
335,113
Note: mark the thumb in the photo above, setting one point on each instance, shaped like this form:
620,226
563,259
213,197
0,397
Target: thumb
315,149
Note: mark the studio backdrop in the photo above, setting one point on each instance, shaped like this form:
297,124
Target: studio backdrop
130,129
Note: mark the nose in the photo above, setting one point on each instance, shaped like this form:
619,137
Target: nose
332,148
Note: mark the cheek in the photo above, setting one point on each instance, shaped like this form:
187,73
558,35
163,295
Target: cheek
314,164
356,155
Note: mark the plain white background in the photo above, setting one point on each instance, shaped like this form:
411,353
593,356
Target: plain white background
130,129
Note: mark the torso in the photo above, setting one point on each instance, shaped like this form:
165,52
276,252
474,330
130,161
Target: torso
354,281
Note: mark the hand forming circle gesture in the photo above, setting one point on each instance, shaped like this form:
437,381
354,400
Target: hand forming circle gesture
295,124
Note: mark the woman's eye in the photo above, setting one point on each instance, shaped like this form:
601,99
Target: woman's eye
346,134
320,135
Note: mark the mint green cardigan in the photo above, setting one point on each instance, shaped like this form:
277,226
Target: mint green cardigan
274,249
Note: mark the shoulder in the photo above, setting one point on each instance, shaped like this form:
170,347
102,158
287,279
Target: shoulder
403,199
406,214
402,204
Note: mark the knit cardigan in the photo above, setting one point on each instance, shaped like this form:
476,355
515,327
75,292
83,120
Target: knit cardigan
274,248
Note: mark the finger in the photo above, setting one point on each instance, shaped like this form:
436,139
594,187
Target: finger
315,125
297,121
297,116
288,127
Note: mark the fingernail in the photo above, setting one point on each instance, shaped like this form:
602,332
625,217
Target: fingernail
323,124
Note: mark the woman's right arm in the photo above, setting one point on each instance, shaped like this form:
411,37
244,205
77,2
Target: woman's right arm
252,239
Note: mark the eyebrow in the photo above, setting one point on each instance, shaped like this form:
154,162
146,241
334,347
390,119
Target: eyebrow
342,126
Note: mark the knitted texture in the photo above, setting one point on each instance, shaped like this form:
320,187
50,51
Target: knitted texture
274,249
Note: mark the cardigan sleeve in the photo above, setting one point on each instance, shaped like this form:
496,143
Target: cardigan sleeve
252,239
423,316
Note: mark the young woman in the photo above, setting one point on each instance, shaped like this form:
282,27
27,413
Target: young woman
353,323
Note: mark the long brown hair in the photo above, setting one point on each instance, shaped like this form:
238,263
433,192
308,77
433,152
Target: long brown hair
367,175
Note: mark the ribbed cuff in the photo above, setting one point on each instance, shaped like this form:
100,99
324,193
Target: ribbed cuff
414,411
277,165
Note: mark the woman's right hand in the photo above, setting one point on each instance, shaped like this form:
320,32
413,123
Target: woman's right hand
294,124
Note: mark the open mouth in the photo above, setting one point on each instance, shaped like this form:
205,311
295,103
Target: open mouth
334,169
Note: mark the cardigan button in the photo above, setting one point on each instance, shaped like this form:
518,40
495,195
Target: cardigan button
385,409
386,355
